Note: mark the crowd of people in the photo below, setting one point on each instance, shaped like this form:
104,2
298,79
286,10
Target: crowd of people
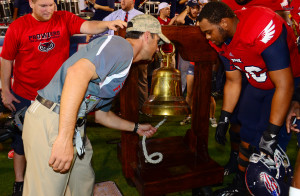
257,45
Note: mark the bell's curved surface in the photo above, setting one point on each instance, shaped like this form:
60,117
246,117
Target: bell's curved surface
165,95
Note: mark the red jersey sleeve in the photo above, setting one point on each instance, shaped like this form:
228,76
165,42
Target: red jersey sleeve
73,22
267,29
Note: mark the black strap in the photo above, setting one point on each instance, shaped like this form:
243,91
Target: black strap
136,127
247,152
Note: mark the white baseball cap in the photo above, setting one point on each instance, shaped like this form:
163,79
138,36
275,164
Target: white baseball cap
162,6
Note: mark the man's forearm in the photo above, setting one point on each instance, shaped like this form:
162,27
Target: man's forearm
180,18
280,105
111,120
94,27
6,69
284,88
232,91
75,86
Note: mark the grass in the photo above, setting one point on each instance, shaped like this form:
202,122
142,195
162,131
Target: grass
106,164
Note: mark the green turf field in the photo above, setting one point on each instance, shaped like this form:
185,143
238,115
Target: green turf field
106,164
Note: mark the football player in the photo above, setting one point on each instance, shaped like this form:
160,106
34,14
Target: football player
259,43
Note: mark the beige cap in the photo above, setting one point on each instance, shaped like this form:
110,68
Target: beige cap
146,22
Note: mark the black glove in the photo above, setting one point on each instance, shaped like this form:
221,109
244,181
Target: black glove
268,141
222,127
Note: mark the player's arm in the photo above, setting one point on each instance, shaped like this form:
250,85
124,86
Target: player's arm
232,90
284,87
7,96
96,27
277,60
75,86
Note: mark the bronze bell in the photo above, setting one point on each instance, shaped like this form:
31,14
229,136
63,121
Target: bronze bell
165,95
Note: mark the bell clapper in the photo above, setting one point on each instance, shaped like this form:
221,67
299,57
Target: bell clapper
149,157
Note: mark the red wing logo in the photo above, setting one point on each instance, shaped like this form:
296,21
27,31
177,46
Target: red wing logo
46,46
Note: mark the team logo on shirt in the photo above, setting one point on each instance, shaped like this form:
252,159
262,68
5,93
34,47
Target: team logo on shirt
46,46
268,33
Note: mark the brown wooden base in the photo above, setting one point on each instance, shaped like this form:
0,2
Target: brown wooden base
180,169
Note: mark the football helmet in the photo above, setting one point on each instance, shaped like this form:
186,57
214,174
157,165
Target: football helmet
266,176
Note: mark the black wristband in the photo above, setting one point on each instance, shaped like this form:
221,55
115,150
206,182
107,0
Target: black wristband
273,129
224,117
136,127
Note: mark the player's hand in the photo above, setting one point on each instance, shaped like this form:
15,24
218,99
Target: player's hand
146,129
7,99
222,127
115,24
294,111
61,155
268,143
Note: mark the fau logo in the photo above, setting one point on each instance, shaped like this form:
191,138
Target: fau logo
270,184
46,46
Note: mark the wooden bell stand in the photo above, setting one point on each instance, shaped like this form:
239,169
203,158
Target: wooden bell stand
186,163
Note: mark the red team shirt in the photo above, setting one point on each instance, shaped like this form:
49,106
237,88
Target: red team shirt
39,49
244,50
163,22
275,5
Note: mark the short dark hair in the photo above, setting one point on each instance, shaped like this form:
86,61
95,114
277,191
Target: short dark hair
134,34
242,2
214,12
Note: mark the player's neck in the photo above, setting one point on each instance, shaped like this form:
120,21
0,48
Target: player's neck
234,23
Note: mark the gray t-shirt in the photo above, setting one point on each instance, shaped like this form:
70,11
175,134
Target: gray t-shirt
112,57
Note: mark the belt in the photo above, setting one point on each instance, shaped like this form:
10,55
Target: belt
48,104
